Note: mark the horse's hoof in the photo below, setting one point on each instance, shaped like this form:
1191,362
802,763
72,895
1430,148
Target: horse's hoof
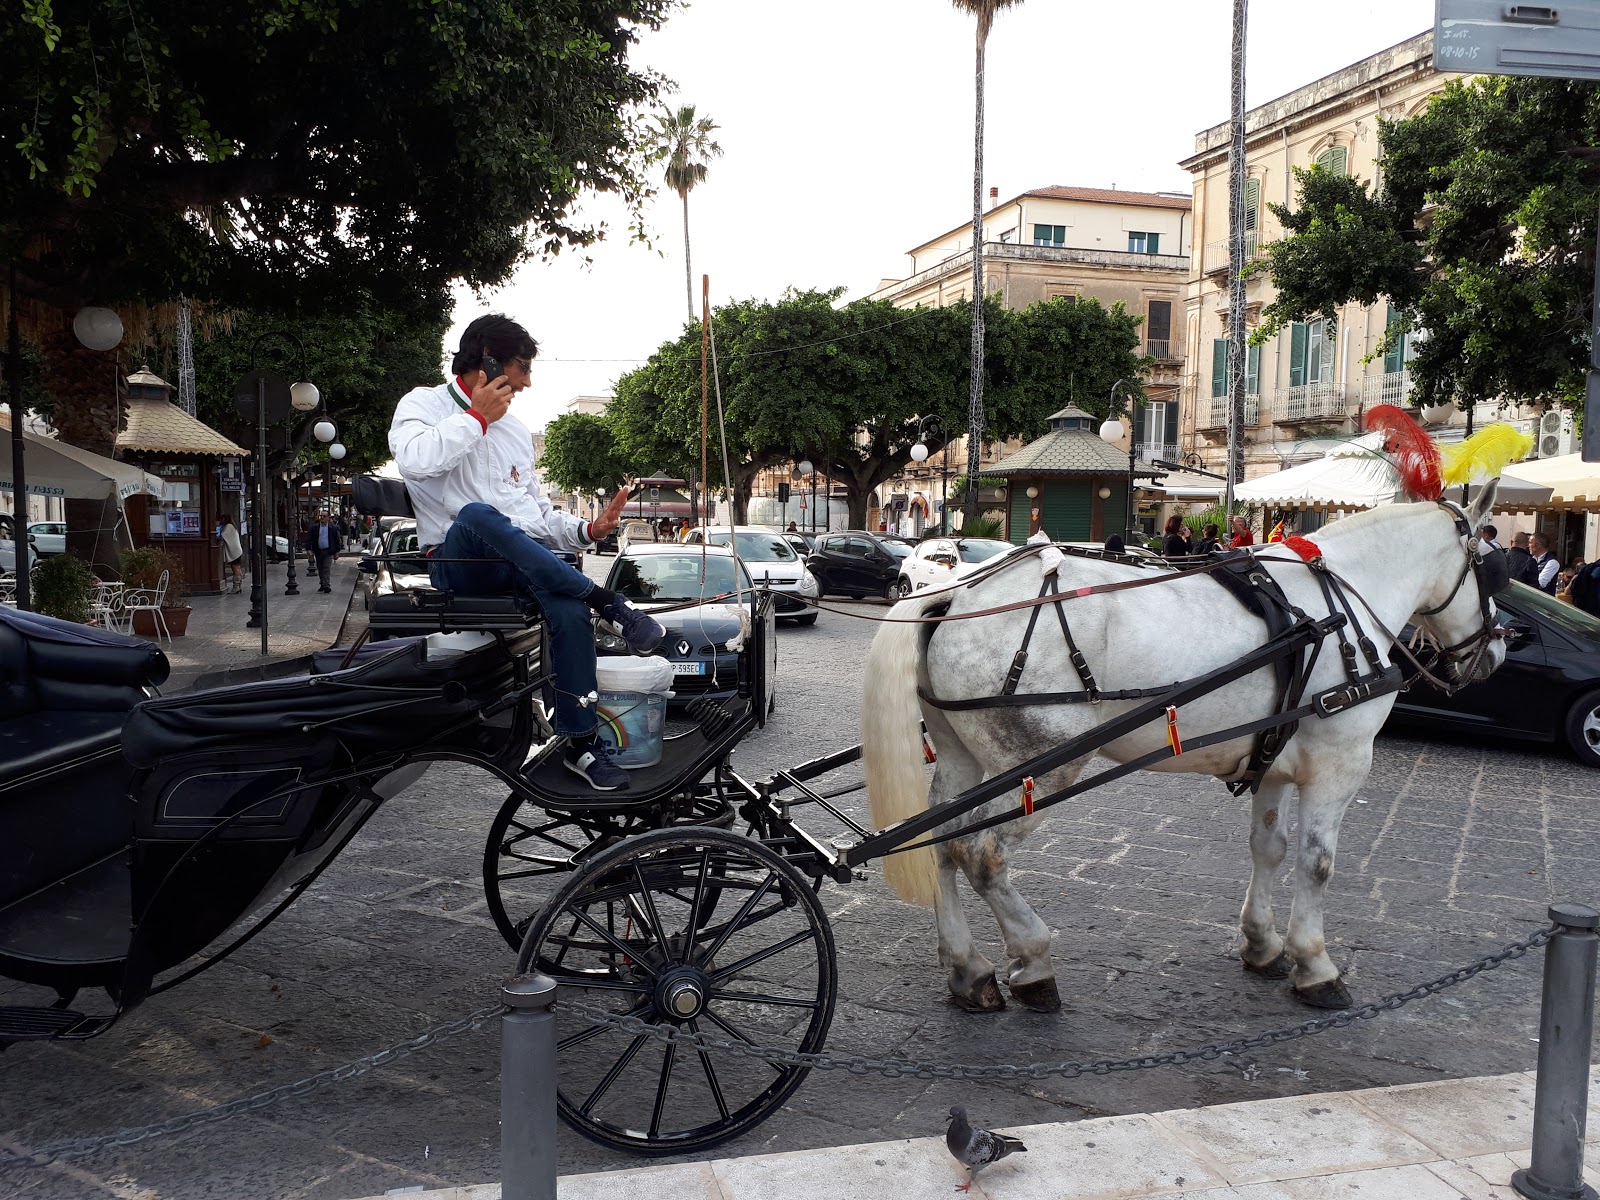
1328,994
1278,968
1041,996
984,998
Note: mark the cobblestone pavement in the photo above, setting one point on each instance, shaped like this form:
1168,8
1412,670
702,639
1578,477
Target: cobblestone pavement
1451,850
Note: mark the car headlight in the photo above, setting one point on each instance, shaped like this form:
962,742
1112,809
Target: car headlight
808,583
609,642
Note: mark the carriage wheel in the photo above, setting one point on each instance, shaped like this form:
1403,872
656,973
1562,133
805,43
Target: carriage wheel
527,845
643,931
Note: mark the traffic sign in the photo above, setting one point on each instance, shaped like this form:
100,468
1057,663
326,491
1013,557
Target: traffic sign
1491,37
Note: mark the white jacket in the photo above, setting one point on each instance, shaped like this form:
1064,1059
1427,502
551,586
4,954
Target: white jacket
449,459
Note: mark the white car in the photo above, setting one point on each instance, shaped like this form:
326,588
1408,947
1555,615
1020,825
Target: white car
772,563
48,537
936,561
636,533
8,553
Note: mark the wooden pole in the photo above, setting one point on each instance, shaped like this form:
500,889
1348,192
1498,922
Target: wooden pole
705,343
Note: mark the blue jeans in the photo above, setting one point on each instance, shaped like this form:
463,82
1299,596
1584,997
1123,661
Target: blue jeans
529,571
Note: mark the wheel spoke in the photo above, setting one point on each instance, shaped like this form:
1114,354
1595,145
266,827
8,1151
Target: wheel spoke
616,1070
711,1074
595,1031
566,944
667,1061
761,998
629,953
699,893
750,960
652,919
727,1028
738,920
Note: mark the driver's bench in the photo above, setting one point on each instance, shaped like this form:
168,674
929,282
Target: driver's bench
419,611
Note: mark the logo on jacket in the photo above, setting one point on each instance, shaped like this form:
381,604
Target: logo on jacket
515,477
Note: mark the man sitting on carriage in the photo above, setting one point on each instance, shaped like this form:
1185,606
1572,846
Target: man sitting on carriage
489,529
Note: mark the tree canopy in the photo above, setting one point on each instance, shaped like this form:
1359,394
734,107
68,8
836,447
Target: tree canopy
581,455
1481,238
261,152
848,386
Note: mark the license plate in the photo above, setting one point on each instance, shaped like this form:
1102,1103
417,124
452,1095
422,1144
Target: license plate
686,668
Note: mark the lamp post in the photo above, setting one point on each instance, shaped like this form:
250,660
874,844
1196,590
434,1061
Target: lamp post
1111,432
807,468
919,453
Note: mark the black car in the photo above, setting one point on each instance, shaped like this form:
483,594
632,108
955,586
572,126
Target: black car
856,563
1547,690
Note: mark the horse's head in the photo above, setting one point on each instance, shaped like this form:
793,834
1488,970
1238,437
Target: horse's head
1459,613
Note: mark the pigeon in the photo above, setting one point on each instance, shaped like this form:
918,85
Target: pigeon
975,1148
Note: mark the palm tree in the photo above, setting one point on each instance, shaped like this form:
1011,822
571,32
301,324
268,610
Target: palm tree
683,139
984,11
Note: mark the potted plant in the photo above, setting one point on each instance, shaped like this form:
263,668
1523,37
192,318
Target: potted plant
141,570
63,587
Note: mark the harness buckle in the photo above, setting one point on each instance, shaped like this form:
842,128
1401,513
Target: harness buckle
1014,676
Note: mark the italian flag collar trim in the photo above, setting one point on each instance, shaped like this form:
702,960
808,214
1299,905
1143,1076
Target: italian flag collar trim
458,393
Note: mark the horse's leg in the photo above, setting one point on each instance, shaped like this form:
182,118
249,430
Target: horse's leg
1322,805
972,983
1263,951
1031,973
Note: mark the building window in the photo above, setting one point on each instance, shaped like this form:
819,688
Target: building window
1049,235
1067,297
1219,369
1144,243
1335,159
1310,354
1158,329
1400,351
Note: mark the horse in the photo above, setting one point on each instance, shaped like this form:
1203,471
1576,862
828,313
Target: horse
1419,562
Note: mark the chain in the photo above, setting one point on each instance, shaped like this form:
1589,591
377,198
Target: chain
83,1147
896,1068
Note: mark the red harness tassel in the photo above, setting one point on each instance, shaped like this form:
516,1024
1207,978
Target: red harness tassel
1173,739
1027,795
929,754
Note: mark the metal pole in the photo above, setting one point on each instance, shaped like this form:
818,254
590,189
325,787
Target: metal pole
19,473
1561,1093
258,525
1591,388
1237,350
292,586
528,1089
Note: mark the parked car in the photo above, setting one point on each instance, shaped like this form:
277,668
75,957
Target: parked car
772,563
938,560
8,554
702,642
48,537
399,565
1547,690
803,543
636,533
856,564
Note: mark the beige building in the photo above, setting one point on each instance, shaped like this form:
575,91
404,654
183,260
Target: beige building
592,405
1311,380
1131,248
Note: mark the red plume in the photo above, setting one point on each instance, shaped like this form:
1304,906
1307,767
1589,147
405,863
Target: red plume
1413,452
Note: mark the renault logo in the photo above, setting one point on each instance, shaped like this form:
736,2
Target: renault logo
684,648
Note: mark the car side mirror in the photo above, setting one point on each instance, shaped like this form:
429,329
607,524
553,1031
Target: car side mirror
367,566
1521,632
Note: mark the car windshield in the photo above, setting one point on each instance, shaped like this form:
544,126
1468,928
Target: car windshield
756,547
898,549
1547,608
673,578
980,549
404,558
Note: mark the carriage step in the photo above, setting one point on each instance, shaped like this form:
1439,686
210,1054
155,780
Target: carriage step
20,1024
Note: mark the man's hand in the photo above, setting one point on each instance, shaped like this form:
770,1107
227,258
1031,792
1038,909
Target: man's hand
491,398
602,525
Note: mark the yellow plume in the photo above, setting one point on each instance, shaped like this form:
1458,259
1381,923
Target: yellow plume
1484,455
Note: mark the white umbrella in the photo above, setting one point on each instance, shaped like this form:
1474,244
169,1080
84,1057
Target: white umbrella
57,469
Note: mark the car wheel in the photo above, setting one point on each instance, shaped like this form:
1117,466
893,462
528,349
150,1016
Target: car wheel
1583,729
899,589
808,619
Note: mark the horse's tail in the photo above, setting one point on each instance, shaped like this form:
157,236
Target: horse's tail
891,743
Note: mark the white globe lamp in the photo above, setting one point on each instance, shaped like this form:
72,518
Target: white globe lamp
97,328
805,467
336,451
324,431
1111,431
303,397
919,452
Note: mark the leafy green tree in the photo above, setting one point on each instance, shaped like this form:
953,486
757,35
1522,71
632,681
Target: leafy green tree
683,139
1481,239
581,455
984,12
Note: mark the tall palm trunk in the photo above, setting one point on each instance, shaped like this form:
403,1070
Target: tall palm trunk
87,414
975,404
688,270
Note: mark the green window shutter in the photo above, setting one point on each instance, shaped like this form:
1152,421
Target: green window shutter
1140,417
1299,339
1064,509
1252,205
1335,159
1219,367
1252,371
1324,367
1020,505
1169,433
1152,244
1060,235
1394,359
1041,233
1158,327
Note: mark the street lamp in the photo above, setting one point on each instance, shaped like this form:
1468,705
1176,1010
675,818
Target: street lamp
806,467
1111,432
919,453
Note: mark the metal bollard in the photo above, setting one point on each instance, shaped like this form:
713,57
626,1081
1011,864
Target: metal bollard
1566,1027
528,1089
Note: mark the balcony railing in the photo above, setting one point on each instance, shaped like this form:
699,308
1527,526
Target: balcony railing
1213,413
1216,253
1392,387
1150,451
1309,402
1163,350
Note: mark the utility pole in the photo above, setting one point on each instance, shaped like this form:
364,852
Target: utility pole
1237,331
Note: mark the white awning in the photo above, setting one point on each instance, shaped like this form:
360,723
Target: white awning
53,468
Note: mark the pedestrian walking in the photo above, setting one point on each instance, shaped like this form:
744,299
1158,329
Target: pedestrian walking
232,555
323,543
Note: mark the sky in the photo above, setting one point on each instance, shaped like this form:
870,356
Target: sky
846,130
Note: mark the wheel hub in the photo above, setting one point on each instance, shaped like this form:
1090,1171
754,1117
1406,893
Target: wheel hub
681,994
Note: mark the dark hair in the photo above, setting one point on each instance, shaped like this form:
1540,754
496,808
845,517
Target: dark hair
1174,524
1211,530
499,335
1114,545
1490,532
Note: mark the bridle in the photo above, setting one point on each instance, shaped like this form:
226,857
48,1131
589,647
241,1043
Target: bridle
1490,573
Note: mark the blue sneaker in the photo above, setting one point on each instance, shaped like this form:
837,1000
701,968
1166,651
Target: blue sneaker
640,630
592,760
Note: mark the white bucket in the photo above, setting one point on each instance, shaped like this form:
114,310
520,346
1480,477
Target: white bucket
633,707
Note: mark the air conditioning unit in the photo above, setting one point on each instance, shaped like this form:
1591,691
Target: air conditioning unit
1555,436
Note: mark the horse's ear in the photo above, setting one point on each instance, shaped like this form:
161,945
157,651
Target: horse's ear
1483,504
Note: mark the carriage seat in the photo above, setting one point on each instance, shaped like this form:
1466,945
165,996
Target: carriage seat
428,610
65,691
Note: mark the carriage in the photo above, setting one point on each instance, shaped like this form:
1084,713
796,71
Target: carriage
157,834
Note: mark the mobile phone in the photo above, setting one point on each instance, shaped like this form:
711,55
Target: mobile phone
492,369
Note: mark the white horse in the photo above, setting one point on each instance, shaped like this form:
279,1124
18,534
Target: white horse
1408,562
